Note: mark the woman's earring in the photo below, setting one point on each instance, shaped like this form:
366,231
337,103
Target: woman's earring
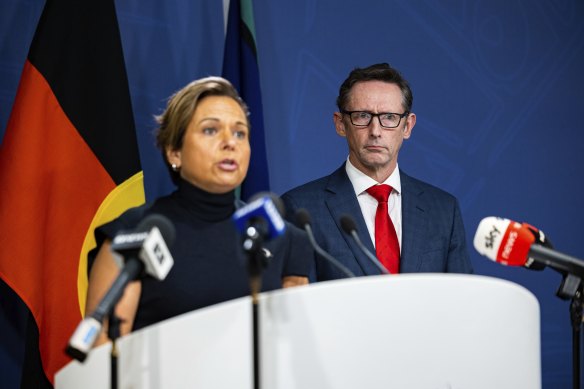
174,167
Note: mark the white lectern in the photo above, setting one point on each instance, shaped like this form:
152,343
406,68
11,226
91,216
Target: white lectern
407,331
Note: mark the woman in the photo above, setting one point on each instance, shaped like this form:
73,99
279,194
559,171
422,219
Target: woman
204,138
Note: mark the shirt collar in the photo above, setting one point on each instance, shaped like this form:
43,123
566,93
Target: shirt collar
361,182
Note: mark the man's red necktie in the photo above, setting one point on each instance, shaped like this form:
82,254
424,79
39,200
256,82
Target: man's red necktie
386,243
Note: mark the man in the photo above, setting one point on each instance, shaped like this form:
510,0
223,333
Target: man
424,231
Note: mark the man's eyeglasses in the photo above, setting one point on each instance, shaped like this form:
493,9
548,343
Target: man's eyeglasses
386,119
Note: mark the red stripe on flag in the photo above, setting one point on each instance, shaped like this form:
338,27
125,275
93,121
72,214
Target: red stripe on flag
52,185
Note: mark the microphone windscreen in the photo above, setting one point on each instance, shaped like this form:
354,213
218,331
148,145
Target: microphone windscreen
302,217
503,241
164,225
489,236
348,224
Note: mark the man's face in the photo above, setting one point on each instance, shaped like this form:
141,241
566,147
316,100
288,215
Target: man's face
373,149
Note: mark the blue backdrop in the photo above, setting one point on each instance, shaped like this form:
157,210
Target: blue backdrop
498,92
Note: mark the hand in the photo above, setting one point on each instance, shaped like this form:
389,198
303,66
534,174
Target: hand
290,281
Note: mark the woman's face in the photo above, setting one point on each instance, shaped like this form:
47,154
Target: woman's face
215,151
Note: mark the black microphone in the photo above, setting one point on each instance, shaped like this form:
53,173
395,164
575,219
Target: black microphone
349,226
303,221
146,252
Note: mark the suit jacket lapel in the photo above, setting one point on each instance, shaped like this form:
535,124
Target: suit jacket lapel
413,224
341,200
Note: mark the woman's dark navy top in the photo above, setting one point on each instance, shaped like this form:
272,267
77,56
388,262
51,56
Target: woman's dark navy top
209,264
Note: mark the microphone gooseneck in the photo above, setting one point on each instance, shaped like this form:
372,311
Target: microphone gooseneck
303,221
348,225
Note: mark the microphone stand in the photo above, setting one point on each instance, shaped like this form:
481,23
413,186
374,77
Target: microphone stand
257,260
571,288
255,286
113,333
576,318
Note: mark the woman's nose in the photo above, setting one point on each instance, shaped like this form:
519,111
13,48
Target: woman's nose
229,140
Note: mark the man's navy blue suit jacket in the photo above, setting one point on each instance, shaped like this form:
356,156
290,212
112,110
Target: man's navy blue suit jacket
433,236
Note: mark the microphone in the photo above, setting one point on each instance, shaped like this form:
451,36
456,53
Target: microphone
514,244
348,225
149,243
303,221
146,252
259,220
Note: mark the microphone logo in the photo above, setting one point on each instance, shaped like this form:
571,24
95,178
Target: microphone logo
274,215
158,253
509,245
134,237
490,239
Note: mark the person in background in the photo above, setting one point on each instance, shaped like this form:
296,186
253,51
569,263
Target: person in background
204,138
410,225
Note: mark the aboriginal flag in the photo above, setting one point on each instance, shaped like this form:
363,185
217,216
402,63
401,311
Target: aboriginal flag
240,66
68,162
